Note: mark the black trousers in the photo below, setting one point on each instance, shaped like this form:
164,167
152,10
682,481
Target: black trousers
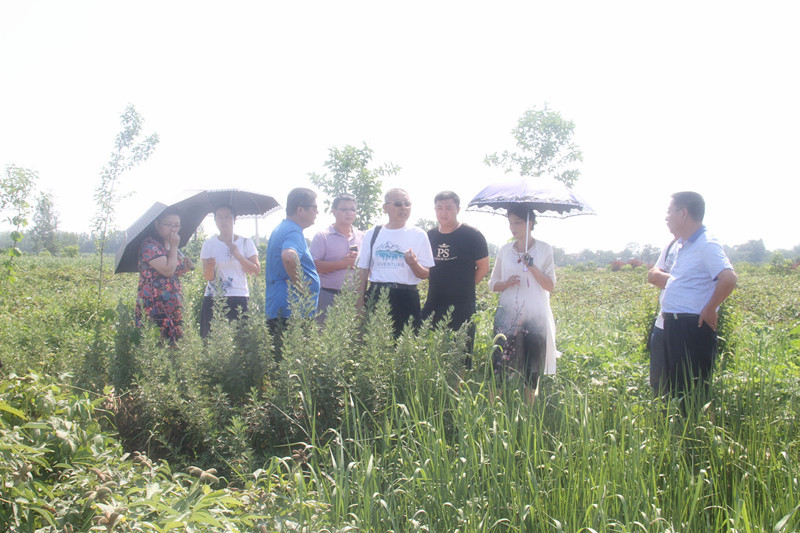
690,352
462,312
234,305
403,304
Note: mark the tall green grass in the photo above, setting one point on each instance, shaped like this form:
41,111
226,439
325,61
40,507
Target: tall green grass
351,431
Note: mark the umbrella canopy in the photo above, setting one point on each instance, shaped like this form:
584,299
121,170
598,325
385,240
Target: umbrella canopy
193,208
546,196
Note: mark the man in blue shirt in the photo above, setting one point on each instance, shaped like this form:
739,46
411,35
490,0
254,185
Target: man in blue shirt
699,281
286,249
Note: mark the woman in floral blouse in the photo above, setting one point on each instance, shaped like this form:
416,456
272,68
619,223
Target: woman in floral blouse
160,266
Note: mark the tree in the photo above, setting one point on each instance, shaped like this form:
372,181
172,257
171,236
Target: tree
649,254
350,173
426,224
632,249
45,224
15,189
128,152
544,147
753,252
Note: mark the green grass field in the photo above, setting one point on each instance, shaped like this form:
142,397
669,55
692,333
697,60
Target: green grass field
350,432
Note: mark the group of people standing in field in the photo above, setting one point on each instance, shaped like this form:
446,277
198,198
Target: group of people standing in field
393,257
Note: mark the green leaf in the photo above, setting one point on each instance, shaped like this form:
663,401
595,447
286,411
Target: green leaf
47,515
205,518
784,521
16,412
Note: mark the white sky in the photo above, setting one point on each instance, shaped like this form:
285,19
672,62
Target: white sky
665,97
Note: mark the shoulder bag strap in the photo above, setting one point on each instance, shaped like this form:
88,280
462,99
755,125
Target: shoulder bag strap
372,246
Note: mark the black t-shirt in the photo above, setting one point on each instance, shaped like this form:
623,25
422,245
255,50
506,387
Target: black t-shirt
452,278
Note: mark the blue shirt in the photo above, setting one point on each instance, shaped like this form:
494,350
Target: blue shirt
693,277
280,300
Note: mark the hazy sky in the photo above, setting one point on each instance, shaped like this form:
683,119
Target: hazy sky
665,97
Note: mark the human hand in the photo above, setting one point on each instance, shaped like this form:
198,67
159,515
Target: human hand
513,280
710,317
350,259
410,257
173,240
233,249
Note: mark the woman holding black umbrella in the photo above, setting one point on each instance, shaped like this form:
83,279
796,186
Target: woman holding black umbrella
524,275
160,266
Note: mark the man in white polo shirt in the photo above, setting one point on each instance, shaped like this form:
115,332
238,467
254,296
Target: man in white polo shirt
699,281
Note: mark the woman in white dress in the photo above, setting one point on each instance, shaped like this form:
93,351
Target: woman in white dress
524,275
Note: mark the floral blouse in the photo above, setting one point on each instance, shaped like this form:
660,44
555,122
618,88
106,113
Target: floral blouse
159,297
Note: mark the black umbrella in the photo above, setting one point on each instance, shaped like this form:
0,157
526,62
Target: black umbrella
192,209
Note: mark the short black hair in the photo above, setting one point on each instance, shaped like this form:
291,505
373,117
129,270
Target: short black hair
168,212
344,197
230,207
297,198
447,195
693,203
522,211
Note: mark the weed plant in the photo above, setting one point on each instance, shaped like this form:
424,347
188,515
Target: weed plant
351,430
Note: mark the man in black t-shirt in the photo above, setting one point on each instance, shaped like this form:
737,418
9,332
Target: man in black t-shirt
461,259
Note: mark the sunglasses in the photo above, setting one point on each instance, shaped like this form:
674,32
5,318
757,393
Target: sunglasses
398,203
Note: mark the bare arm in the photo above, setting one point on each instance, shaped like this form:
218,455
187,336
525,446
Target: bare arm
326,267
545,282
726,282
209,269
500,286
657,277
250,265
481,269
420,271
166,265
290,262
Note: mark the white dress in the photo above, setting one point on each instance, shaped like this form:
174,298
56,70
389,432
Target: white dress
523,314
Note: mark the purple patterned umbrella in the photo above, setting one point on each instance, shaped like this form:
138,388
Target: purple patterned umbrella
546,196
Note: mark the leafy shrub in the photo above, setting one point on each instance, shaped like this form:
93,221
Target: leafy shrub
228,395
50,322
61,472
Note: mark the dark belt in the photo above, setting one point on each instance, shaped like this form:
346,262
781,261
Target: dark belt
676,316
332,291
400,286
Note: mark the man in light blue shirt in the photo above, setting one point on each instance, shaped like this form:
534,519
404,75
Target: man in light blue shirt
286,249
699,281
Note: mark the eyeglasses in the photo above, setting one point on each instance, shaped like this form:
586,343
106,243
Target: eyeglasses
346,209
314,207
398,203
171,226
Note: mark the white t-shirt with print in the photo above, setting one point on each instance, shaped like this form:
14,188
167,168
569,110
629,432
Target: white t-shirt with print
388,261
230,273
